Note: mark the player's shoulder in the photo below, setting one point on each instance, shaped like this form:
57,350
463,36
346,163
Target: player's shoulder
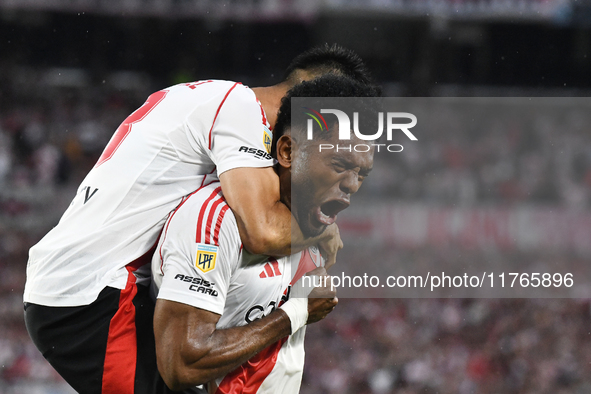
237,92
216,86
238,100
207,213
207,196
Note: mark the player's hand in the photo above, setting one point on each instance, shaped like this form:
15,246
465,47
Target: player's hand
330,245
322,300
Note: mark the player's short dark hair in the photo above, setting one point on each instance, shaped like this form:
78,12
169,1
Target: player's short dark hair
328,85
329,59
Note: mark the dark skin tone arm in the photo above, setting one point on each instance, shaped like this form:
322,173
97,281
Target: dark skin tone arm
264,222
190,350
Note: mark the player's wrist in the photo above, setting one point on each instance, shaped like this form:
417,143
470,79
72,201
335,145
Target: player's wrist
296,310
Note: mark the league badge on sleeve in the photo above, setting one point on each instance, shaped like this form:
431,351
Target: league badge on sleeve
267,140
206,256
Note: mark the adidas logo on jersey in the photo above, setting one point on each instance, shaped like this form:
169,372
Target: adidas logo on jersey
271,269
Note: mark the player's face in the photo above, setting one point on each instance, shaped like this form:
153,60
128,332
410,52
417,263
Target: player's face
322,182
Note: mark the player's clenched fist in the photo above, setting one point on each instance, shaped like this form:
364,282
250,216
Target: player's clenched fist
322,300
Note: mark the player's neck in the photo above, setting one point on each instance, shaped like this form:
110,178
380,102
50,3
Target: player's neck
270,98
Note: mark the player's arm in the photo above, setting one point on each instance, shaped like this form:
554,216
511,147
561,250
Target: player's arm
190,350
249,183
265,224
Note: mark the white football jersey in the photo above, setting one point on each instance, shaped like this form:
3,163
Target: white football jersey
200,262
180,139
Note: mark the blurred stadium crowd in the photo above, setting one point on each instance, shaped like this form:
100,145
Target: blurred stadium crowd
451,346
50,138
470,157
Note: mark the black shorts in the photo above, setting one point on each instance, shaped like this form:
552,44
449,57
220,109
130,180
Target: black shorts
105,347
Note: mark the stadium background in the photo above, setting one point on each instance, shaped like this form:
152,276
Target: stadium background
71,71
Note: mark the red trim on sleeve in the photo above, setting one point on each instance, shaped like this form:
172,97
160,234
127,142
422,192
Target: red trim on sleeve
265,122
218,111
247,378
121,354
210,223
218,225
183,200
202,213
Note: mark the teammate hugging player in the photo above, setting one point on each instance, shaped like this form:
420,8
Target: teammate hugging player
224,317
86,309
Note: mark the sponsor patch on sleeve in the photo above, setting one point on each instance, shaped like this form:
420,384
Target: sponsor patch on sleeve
257,153
206,257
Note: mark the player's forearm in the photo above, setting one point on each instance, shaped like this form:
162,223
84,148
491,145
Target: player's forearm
270,233
265,223
278,234
226,349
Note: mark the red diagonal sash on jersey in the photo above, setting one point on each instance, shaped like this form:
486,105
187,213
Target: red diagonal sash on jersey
247,378
305,265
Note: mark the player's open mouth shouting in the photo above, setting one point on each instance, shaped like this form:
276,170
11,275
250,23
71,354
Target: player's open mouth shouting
335,177
326,214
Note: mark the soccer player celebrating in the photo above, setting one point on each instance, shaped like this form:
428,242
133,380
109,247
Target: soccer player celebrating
84,309
225,316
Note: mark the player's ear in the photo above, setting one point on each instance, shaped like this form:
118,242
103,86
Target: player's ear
284,151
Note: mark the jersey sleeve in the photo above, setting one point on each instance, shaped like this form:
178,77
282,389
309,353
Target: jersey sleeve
240,136
198,273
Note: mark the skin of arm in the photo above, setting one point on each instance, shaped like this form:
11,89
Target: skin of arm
265,224
190,350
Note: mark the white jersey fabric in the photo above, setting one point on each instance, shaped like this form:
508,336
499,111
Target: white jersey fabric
200,262
182,137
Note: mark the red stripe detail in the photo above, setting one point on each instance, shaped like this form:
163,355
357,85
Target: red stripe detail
218,224
183,200
193,85
247,378
262,275
305,265
210,223
275,265
269,270
218,111
202,212
263,114
121,354
125,128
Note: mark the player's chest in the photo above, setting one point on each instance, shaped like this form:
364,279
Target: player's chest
256,289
